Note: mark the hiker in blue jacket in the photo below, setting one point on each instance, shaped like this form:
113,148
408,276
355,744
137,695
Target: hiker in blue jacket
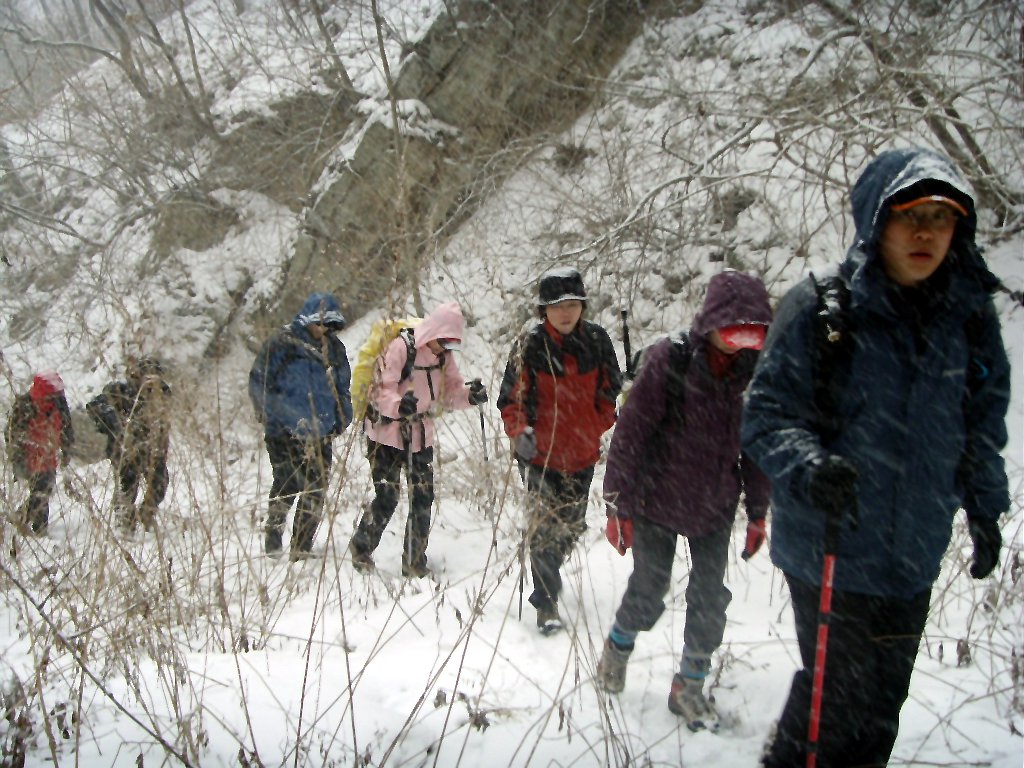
902,428
299,385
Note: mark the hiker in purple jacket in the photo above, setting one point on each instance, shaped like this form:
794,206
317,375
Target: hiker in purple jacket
675,469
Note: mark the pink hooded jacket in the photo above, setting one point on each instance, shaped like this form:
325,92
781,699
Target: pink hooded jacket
436,387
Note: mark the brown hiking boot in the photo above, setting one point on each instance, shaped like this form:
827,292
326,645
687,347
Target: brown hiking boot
415,571
548,621
611,669
686,699
361,561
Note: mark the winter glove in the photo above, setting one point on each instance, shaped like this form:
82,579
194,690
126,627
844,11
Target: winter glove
620,533
987,540
477,392
407,408
526,445
832,488
755,537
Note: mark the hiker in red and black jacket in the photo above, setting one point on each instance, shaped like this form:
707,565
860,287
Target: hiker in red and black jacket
38,430
675,468
557,399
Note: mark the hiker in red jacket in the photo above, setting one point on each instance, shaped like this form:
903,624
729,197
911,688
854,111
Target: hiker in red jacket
38,430
557,399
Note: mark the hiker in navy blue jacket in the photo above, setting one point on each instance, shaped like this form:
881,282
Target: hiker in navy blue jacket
299,385
908,430
675,469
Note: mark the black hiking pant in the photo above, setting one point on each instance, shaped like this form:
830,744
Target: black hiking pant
872,644
707,597
150,468
386,466
557,513
35,512
300,478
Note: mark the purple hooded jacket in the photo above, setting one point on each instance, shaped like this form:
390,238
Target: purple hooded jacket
688,476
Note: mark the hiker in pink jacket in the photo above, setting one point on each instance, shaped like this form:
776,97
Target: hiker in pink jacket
416,378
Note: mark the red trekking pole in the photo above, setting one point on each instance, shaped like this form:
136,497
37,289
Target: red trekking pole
828,568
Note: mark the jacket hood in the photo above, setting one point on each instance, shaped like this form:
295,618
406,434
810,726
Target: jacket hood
892,175
445,322
44,385
898,175
320,308
733,298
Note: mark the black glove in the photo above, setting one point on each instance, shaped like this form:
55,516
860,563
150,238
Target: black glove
407,408
526,445
987,540
477,392
832,488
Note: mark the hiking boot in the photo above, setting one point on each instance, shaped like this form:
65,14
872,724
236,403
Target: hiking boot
547,620
686,699
272,542
611,669
361,561
415,571
147,516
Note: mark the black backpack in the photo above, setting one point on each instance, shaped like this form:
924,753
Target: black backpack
15,434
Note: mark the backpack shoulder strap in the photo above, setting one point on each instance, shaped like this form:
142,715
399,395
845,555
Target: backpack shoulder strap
680,355
832,347
533,344
408,335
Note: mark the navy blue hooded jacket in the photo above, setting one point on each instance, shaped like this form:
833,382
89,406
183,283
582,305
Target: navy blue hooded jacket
921,449
294,386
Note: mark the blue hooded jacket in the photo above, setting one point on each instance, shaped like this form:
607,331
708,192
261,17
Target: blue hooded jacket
300,386
922,448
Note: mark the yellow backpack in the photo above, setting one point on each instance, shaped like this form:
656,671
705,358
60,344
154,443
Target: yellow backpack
365,372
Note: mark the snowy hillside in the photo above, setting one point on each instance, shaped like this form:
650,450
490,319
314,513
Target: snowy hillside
727,136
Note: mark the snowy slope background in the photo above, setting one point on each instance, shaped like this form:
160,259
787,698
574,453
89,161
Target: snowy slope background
190,646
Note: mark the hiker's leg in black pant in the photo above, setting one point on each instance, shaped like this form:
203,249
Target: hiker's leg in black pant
36,510
285,454
850,684
896,628
417,528
386,465
315,467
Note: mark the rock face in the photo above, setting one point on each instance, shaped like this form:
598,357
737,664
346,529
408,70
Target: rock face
479,83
